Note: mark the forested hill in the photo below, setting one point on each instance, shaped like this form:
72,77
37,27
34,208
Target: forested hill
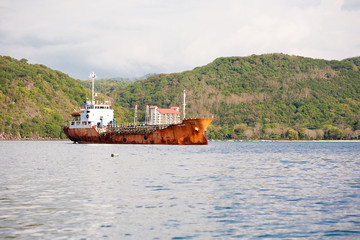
271,96
36,101
267,96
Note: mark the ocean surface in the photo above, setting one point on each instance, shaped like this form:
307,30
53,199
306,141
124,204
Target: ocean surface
225,190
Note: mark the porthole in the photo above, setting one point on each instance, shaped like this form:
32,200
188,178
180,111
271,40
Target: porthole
124,140
145,137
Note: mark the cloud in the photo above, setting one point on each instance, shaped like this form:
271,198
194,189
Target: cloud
133,38
351,5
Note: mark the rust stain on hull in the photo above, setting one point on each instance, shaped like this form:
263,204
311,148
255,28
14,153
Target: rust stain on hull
189,132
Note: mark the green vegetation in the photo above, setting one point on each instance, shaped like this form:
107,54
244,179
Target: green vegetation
104,86
270,96
36,101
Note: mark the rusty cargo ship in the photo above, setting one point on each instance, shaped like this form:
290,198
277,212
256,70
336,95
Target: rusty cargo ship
95,123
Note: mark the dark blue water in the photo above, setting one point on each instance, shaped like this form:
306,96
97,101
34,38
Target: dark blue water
60,190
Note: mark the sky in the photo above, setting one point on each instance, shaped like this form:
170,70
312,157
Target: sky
131,38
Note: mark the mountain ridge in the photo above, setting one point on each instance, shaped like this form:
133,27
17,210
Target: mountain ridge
269,91
268,96
36,101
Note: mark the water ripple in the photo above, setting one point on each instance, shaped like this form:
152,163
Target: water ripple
59,190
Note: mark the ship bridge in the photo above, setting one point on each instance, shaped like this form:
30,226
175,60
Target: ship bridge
99,115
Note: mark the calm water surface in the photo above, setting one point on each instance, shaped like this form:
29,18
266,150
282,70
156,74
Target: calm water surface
60,190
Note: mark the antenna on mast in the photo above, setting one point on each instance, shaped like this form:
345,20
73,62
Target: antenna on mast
92,76
184,104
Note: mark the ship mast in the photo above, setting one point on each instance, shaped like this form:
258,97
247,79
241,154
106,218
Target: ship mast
147,116
184,104
92,76
135,115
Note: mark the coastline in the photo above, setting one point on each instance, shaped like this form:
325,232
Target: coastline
4,137
285,140
7,138
34,139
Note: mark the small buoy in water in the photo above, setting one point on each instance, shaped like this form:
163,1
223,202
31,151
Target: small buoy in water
114,155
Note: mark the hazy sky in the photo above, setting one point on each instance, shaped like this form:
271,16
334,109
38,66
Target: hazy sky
124,38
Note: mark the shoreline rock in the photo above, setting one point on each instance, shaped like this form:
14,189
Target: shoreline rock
9,137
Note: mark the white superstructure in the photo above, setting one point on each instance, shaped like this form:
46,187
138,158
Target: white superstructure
99,115
93,114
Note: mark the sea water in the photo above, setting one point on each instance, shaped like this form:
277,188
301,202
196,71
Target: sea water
61,190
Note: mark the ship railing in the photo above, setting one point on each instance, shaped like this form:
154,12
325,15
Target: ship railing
131,128
144,124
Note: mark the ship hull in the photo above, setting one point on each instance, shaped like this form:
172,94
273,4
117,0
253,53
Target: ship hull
189,132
